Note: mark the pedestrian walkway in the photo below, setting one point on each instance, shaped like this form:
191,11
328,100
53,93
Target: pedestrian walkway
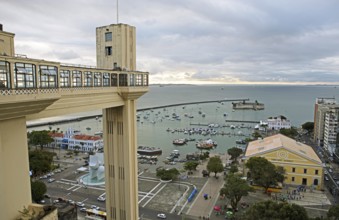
202,207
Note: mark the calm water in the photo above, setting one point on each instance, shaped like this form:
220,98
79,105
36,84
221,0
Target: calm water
294,102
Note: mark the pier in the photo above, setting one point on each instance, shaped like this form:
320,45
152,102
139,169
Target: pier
242,121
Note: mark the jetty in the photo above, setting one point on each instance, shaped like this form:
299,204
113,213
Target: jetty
243,121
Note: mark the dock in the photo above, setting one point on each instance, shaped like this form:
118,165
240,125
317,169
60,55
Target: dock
243,121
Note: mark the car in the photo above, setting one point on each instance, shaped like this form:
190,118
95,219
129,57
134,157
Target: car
42,201
56,201
80,204
95,207
101,199
83,209
43,177
161,215
325,172
51,180
337,182
71,202
330,170
326,178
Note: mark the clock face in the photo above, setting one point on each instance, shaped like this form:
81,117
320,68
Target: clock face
282,154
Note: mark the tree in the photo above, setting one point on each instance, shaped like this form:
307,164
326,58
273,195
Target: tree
168,174
289,132
235,153
273,210
333,212
308,126
38,189
39,138
234,189
264,173
40,161
256,135
234,168
191,165
215,165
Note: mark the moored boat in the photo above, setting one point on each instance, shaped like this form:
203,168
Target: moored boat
146,150
206,144
179,141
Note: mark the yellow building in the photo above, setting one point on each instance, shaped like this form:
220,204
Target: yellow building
302,165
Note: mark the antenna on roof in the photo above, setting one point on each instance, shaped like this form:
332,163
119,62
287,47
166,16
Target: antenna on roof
117,11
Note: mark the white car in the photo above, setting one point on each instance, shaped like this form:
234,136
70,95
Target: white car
95,207
83,209
80,204
51,180
161,215
102,199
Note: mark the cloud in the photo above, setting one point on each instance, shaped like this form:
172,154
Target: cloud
234,41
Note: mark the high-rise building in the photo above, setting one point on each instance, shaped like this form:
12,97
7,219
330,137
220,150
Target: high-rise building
331,130
116,47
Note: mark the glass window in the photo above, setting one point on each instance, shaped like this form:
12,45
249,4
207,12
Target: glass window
114,79
25,75
65,80
108,36
108,51
316,172
97,79
131,79
138,80
88,78
77,78
293,169
145,80
48,76
305,170
5,79
123,79
105,79
292,179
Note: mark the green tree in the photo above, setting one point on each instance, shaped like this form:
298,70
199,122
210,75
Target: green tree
38,189
168,174
256,135
40,161
39,138
235,153
264,173
270,210
308,126
215,165
289,132
333,212
234,168
191,165
234,189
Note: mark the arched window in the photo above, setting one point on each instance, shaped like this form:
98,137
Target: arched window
88,79
105,79
5,75
48,76
65,79
25,75
77,78
97,79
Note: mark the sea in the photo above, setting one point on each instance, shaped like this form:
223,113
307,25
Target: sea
156,126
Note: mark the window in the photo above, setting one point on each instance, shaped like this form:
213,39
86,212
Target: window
138,80
292,178
316,172
65,78
305,170
123,79
145,80
108,51
48,76
25,75
293,169
108,36
4,75
114,79
105,79
77,78
131,79
88,79
97,79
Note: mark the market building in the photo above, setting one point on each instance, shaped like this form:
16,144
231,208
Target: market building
302,165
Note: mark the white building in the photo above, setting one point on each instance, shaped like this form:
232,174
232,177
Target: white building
72,140
331,130
276,123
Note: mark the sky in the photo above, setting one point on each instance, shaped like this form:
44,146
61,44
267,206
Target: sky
190,41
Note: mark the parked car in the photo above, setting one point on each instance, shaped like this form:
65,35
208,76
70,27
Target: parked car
80,204
83,209
51,180
161,215
101,199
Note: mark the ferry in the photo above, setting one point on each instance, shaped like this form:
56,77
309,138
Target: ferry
145,150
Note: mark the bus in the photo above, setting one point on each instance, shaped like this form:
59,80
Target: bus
95,214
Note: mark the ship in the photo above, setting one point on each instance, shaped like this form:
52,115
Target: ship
146,150
206,144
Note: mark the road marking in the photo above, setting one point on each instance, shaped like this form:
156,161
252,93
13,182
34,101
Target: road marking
154,195
84,200
77,188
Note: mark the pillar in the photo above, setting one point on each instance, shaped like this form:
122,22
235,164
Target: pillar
121,164
15,187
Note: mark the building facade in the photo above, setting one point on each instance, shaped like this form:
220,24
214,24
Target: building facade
277,123
302,165
331,130
116,47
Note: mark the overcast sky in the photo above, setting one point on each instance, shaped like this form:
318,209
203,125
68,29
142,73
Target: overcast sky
190,41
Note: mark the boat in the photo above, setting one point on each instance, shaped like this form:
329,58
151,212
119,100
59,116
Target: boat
240,141
206,144
146,150
180,141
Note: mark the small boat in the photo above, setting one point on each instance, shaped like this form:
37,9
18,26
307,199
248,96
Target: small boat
146,150
240,141
179,141
206,144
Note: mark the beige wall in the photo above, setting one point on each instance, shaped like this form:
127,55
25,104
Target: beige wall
6,44
123,47
15,187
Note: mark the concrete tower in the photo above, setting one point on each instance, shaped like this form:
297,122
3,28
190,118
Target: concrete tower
116,47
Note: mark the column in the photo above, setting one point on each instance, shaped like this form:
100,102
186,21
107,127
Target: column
15,187
121,162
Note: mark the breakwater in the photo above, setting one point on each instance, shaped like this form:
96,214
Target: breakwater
62,121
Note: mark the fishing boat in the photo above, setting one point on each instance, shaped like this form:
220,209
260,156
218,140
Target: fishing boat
180,141
146,150
206,144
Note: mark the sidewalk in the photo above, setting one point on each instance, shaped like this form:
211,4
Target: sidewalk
201,207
